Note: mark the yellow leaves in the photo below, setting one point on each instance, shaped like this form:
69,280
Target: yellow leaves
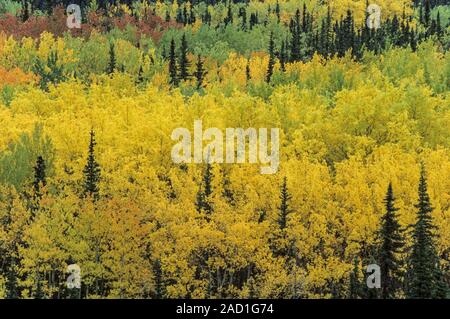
388,8
347,130
8,46
3,287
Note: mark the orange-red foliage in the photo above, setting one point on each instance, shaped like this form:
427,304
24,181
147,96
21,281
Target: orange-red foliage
14,77
151,25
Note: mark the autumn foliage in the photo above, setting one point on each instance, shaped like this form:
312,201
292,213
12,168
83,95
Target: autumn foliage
87,178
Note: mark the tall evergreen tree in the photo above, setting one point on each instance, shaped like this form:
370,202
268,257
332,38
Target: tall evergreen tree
229,18
25,10
39,175
39,181
424,277
271,58
283,56
391,246
355,285
140,77
284,209
203,202
295,37
185,16
253,20
280,242
438,24
199,72
173,69
243,15
167,18
183,61
112,59
427,14
159,291
91,171
248,74
179,16
277,11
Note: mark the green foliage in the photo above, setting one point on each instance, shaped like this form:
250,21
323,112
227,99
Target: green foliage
199,72
284,209
271,59
184,63
391,246
91,171
17,162
112,65
10,6
50,73
204,201
425,278
173,68
7,94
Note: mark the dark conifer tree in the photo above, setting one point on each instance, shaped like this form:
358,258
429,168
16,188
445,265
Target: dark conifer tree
391,246
247,71
277,11
173,69
427,13
424,277
253,20
284,209
203,202
295,37
191,16
206,17
39,181
280,243
185,16
229,18
243,16
159,292
25,10
183,60
112,59
179,16
269,72
140,77
283,56
167,19
355,290
91,171
438,24
39,175
199,72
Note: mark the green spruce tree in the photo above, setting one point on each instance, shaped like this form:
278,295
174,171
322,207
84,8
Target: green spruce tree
248,74
173,69
295,29
284,209
354,282
271,65
204,201
199,72
391,246
91,172
112,59
424,277
183,61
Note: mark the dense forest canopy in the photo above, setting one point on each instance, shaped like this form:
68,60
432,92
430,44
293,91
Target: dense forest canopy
86,175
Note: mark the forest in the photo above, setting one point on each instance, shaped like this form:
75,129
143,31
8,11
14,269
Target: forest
86,175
